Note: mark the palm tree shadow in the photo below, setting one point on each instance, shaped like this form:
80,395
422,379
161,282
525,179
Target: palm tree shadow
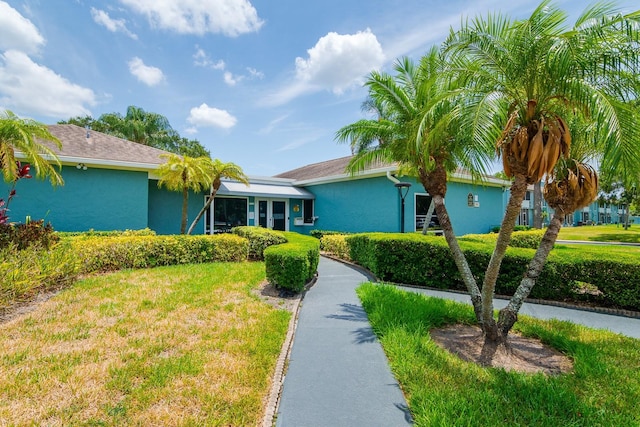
355,313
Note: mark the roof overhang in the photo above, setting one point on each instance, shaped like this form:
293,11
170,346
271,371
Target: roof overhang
231,188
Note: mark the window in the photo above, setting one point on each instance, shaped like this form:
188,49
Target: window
422,208
228,213
307,211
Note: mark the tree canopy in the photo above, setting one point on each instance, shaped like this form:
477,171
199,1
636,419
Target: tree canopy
143,127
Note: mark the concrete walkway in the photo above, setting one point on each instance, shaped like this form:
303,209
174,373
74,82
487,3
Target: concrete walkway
338,374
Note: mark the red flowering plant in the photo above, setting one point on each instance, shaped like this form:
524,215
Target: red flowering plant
24,172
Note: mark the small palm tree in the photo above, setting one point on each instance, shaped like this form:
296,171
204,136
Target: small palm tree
526,82
418,127
24,136
183,173
217,171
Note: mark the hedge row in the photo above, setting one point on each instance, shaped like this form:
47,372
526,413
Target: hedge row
426,261
293,264
259,239
110,233
336,245
98,254
519,239
25,272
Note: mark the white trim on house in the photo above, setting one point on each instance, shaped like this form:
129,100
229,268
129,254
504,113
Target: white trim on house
263,190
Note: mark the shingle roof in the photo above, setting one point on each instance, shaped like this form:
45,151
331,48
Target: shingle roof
102,147
323,169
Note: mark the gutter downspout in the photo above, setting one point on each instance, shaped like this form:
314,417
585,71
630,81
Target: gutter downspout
392,178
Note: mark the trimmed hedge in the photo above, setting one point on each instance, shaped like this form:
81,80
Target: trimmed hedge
291,265
426,261
318,234
98,254
259,239
519,239
25,272
336,245
111,233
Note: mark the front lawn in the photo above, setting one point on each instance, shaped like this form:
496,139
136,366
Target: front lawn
442,390
180,345
601,233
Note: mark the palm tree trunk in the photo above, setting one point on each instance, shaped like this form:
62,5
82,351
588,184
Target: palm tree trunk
185,207
518,190
202,211
458,255
427,220
509,315
537,206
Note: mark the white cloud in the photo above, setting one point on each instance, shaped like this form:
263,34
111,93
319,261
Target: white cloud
255,73
232,80
228,17
201,59
30,87
337,62
17,32
151,76
204,115
114,25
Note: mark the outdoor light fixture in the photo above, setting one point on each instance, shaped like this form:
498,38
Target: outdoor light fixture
403,190
81,166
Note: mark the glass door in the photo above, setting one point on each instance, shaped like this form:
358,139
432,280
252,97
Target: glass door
263,219
279,215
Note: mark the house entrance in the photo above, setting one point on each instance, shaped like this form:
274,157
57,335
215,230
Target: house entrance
273,214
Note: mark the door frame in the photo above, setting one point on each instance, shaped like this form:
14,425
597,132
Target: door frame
270,211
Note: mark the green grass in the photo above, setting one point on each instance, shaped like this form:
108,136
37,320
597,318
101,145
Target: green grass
443,390
182,345
601,233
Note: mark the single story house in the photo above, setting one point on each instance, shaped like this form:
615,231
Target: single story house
111,184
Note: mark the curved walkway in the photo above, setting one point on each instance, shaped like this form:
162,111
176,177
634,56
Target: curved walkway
338,374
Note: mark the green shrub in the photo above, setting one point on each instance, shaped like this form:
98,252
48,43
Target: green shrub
526,239
291,265
32,233
426,261
336,245
111,233
319,233
23,273
115,253
259,239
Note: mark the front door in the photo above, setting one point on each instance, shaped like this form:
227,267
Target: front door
272,214
279,215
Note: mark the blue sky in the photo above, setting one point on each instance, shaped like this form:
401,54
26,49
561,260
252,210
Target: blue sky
261,83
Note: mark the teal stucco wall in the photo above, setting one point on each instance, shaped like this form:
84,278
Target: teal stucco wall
99,199
373,204
165,209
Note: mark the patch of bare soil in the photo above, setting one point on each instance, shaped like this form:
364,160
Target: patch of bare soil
521,354
278,298
21,308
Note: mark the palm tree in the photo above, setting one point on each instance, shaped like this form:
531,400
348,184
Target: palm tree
535,77
180,173
217,171
417,128
23,135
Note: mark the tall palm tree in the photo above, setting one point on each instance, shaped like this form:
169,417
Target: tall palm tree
526,81
183,173
217,171
24,135
418,129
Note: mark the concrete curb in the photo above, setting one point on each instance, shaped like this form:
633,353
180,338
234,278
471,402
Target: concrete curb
280,371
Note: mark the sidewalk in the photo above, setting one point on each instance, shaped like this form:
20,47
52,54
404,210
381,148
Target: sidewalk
338,374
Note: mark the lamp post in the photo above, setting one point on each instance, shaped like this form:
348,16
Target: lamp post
403,190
